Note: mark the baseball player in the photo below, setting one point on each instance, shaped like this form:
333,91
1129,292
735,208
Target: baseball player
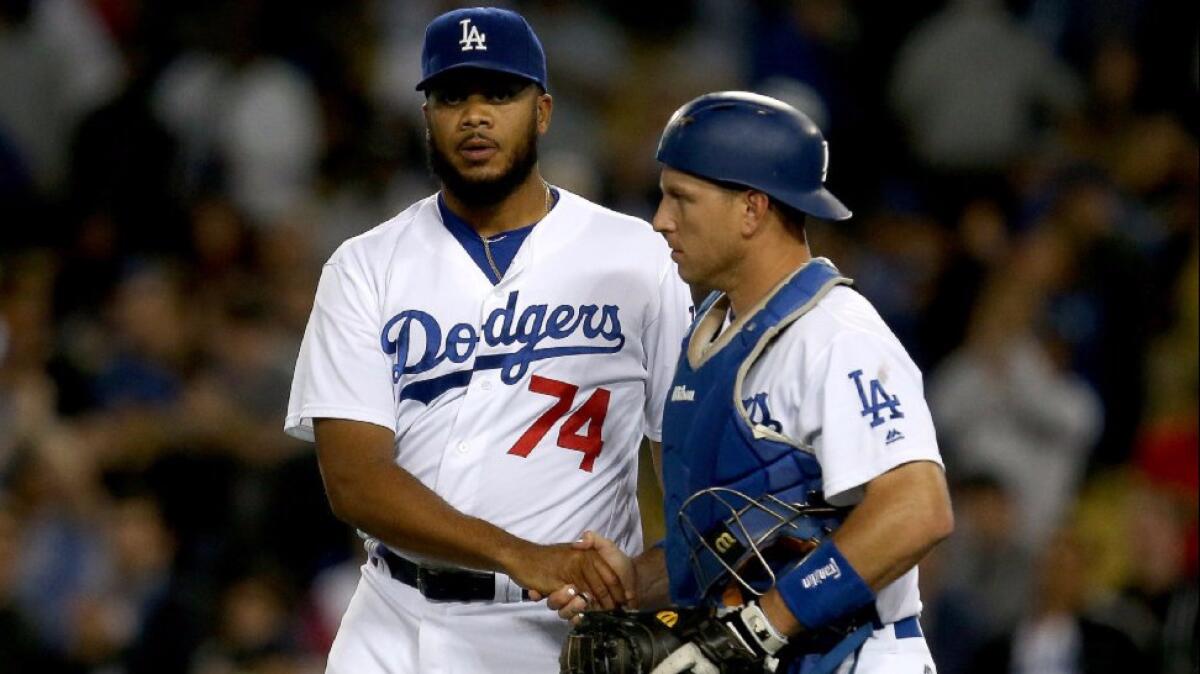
802,476
478,373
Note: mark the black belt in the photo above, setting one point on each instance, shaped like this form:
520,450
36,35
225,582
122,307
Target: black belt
442,584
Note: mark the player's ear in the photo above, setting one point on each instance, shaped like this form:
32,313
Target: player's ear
544,109
754,206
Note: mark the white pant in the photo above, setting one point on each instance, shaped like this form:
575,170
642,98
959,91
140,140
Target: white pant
883,653
390,628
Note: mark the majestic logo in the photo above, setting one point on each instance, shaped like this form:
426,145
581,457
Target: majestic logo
819,576
892,436
683,393
418,343
759,413
880,400
471,37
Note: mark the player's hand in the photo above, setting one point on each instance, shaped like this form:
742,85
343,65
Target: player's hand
566,601
616,559
570,603
549,568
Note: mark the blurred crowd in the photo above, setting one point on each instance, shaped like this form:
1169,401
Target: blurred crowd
1024,176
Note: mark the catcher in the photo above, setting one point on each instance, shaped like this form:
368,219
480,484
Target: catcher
801,472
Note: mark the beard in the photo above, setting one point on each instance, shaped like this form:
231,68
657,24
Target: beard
484,192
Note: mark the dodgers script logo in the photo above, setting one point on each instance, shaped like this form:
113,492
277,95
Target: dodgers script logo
531,329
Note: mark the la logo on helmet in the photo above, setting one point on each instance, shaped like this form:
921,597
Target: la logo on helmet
471,37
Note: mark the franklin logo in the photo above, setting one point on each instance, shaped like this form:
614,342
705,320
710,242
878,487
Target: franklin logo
819,576
472,39
682,393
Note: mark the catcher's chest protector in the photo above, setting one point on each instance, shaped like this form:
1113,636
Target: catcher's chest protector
709,440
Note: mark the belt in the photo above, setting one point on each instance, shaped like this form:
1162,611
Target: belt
905,628
438,584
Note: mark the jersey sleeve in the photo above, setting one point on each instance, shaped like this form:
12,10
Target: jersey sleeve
341,371
870,398
664,338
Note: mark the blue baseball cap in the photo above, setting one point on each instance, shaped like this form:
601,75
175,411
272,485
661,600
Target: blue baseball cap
488,38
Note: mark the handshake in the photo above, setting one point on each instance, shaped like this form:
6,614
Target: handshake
610,637
591,573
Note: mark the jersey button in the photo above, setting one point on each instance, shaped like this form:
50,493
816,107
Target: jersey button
486,385
463,448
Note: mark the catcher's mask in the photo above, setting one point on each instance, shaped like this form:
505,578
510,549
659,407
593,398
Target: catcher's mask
754,539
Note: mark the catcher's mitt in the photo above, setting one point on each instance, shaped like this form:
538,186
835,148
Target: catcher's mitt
635,642
734,640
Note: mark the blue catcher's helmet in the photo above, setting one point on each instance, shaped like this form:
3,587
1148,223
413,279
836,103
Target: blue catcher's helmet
755,141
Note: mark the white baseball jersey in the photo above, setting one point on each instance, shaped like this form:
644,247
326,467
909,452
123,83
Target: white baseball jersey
522,402
839,381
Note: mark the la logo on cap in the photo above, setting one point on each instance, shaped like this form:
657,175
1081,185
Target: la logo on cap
471,37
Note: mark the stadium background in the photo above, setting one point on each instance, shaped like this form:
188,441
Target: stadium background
1024,176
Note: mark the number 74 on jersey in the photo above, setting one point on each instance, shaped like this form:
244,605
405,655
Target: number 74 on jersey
572,435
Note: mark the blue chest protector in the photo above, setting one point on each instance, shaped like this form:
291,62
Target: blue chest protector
739,496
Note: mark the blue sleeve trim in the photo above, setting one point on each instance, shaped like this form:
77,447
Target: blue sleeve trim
823,588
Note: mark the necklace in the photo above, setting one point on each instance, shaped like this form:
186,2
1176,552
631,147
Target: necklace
487,242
